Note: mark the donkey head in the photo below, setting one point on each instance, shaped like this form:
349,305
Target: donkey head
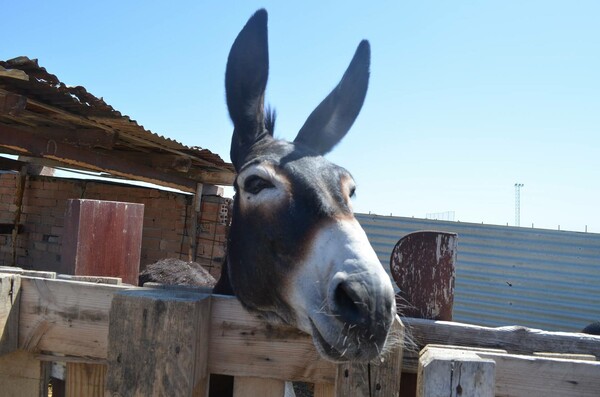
296,253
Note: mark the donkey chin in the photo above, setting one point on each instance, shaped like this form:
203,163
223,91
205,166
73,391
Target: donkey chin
343,297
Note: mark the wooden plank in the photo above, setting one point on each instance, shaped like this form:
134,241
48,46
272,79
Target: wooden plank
532,376
514,339
85,380
385,376
14,73
324,390
250,387
65,317
244,345
81,137
158,343
87,305
10,286
30,144
21,375
92,279
454,373
29,273
567,356
373,379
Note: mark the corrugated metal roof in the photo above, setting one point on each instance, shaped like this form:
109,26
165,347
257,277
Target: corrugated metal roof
53,104
506,275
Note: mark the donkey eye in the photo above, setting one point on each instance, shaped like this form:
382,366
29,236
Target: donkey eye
352,193
254,184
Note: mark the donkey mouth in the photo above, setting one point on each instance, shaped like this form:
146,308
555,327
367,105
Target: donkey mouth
324,348
347,347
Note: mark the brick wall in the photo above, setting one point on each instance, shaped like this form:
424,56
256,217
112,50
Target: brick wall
166,231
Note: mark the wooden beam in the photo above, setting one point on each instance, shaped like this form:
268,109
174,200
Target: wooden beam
383,377
85,380
514,339
524,375
107,124
244,345
71,318
531,376
12,104
65,317
213,177
14,74
455,373
22,375
79,137
248,387
10,164
165,162
158,343
10,287
33,145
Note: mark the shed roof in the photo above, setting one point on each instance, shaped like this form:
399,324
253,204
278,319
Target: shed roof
54,124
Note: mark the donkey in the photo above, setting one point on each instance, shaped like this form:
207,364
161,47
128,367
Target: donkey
296,254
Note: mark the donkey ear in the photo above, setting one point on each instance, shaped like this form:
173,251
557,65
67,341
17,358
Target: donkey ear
332,119
245,83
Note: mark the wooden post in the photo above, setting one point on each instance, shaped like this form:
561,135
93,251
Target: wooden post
18,202
85,380
10,287
193,252
20,373
454,373
370,380
158,343
101,238
250,387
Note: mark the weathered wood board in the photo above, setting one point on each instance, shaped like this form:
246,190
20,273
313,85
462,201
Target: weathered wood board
158,343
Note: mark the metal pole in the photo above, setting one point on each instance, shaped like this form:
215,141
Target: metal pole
518,187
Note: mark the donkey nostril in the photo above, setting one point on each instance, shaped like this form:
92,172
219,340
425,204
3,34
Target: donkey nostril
350,303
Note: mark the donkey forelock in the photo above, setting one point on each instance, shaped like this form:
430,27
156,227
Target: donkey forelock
296,254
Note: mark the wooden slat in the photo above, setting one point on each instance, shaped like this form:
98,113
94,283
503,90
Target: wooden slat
514,339
374,379
10,286
65,317
250,387
385,377
324,390
531,376
85,334
85,380
36,146
454,373
158,344
29,273
21,375
243,345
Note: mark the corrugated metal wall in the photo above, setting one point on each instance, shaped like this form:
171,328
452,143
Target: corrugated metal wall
507,275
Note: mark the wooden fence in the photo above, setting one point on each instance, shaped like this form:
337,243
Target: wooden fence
119,340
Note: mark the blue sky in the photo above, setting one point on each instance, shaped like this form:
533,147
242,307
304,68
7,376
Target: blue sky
466,98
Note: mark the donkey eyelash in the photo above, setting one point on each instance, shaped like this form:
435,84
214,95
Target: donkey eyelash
352,192
254,184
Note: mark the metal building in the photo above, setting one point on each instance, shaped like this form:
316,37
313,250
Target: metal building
505,275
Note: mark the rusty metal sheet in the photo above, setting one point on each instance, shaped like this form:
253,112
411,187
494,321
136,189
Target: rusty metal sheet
422,265
102,238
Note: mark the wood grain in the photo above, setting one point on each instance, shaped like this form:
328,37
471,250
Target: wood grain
454,373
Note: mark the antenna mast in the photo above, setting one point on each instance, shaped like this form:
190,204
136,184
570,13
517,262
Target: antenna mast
518,187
